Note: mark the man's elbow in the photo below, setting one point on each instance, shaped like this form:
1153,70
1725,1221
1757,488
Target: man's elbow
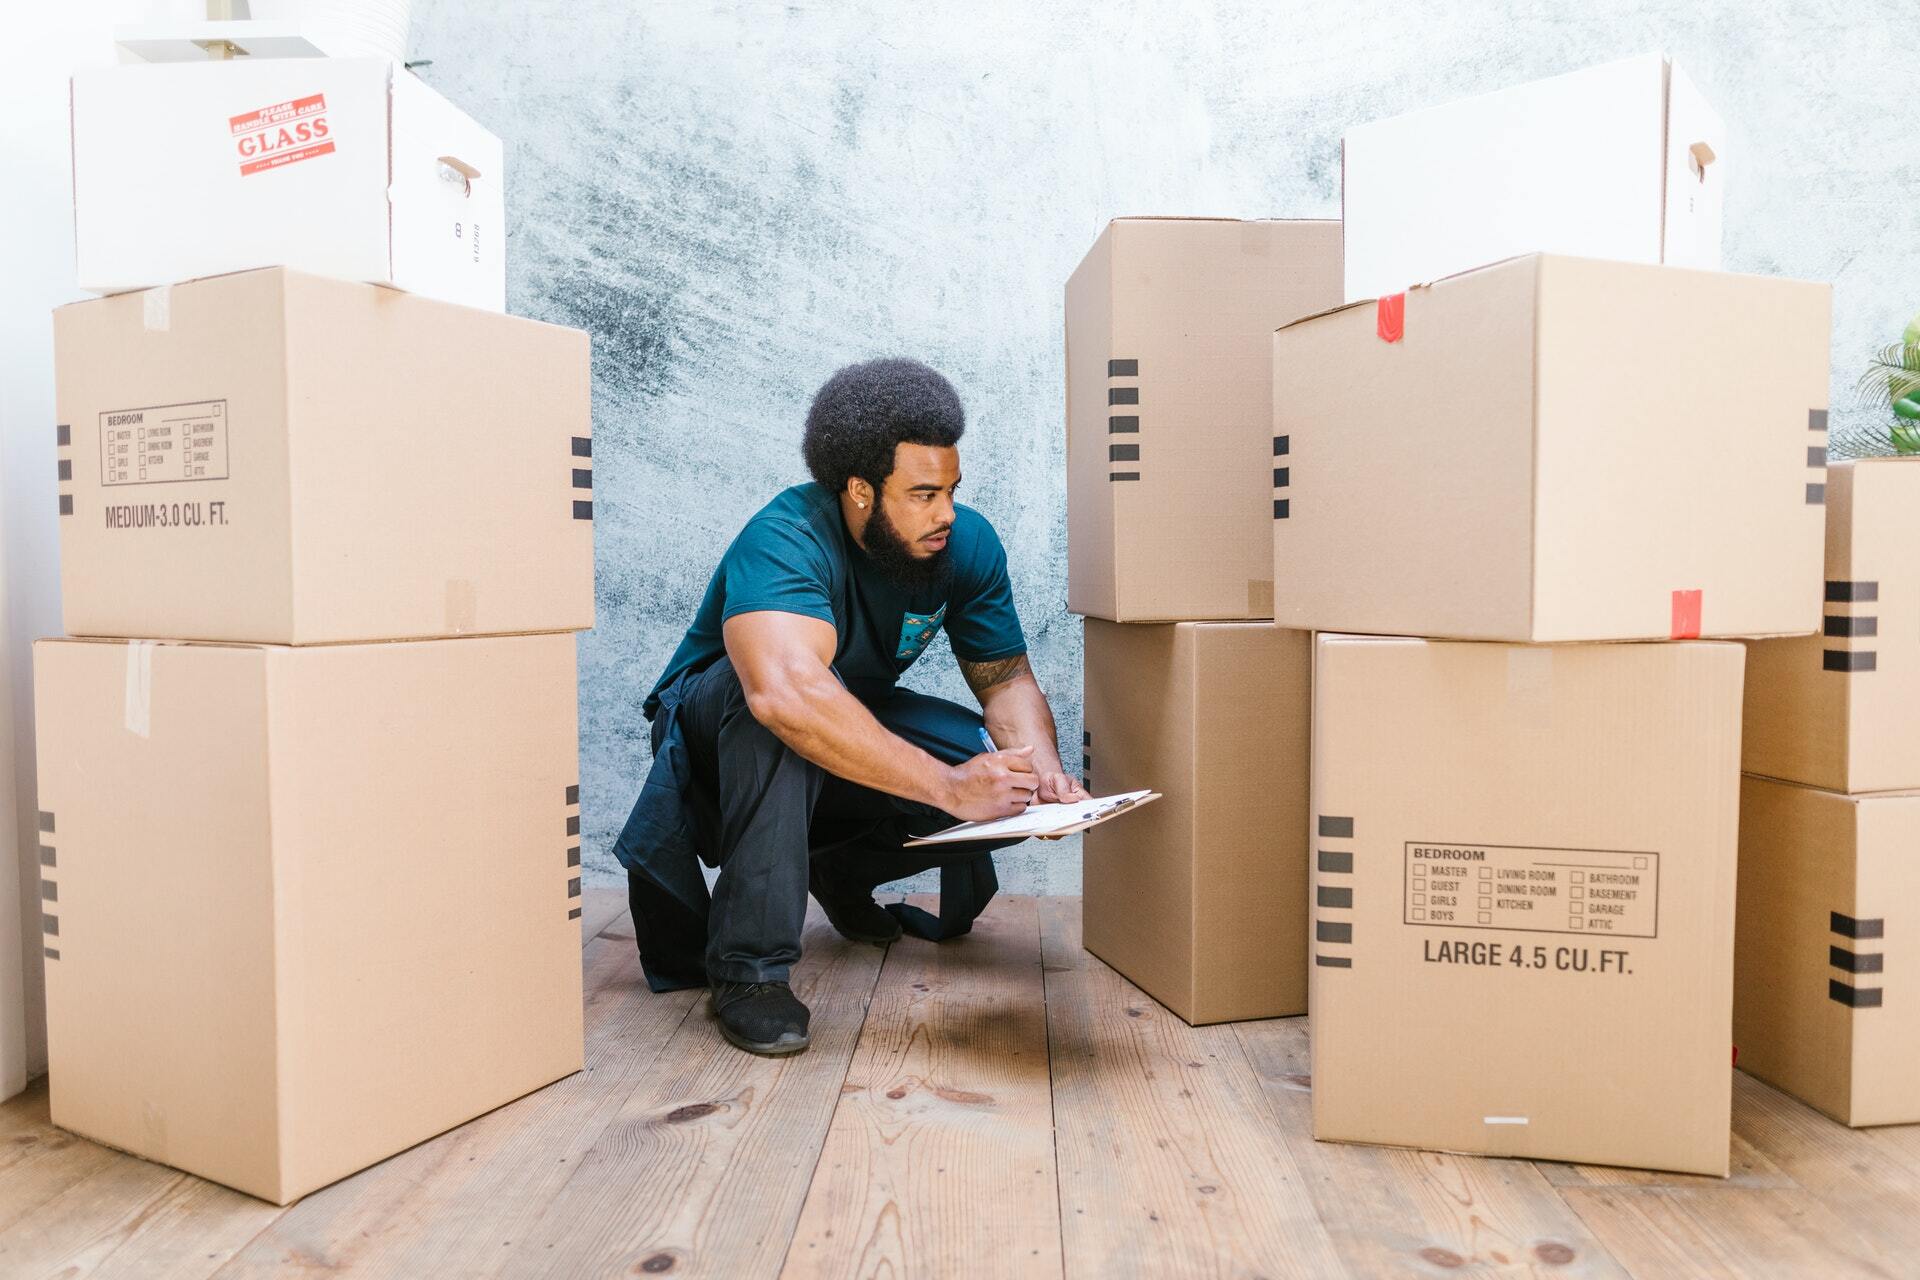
779,705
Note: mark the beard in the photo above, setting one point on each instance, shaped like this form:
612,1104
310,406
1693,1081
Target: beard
893,557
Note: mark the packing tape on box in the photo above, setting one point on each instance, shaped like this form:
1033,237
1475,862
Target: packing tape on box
462,606
139,699
156,309
1390,317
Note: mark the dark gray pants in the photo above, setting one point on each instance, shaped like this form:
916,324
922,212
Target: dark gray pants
774,813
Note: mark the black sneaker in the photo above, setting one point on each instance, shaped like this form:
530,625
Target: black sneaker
856,917
760,1017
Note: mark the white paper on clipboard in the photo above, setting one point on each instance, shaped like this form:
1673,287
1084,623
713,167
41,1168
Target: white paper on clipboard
1042,819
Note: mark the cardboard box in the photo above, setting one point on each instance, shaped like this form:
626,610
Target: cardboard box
1523,898
1624,161
1200,898
282,458
1824,996
1841,709
305,907
1169,394
347,167
1552,449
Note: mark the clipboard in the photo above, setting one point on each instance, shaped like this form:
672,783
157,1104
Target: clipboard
1091,813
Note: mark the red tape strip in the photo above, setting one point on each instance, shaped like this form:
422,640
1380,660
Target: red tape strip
1686,615
1391,318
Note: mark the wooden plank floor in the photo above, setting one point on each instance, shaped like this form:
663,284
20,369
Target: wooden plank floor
1001,1105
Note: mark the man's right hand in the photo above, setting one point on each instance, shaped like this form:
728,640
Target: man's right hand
994,784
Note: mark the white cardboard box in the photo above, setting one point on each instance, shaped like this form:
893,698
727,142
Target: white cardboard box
1624,160
347,167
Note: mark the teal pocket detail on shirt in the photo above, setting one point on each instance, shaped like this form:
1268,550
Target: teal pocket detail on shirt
916,630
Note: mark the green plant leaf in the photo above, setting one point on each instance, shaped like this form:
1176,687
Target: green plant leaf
1892,374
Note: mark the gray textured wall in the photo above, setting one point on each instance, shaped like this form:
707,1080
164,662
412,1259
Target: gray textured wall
737,198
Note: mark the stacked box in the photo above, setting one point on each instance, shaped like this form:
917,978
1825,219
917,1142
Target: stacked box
1830,813
1191,689
1524,857
1198,899
310,825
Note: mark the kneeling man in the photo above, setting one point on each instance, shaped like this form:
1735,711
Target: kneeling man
785,751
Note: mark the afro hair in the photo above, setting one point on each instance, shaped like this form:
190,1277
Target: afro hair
866,409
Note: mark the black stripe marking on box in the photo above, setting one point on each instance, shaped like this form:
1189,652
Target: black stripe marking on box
1848,927
1864,625
49,891
1123,475
1281,444
1332,931
573,793
46,821
1816,419
582,447
573,887
1336,861
66,504
1816,495
1123,453
582,478
1123,368
573,824
573,856
1334,962
1336,828
1816,455
50,925
1327,896
1086,737
50,953
1280,477
66,469
1856,961
1123,395
582,510
1853,997
1121,425
63,435
46,855
1843,660
574,914
1282,508
1852,592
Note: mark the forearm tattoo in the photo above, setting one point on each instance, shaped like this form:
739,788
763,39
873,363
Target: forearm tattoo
983,676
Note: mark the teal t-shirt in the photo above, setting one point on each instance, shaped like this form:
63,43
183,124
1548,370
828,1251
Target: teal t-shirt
797,556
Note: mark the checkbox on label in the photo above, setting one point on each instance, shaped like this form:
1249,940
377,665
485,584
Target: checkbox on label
1486,903
1419,899
1576,923
1579,891
1579,877
1486,917
1419,913
1578,907
1486,873
1639,864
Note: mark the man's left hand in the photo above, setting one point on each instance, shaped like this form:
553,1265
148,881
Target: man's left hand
1059,788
